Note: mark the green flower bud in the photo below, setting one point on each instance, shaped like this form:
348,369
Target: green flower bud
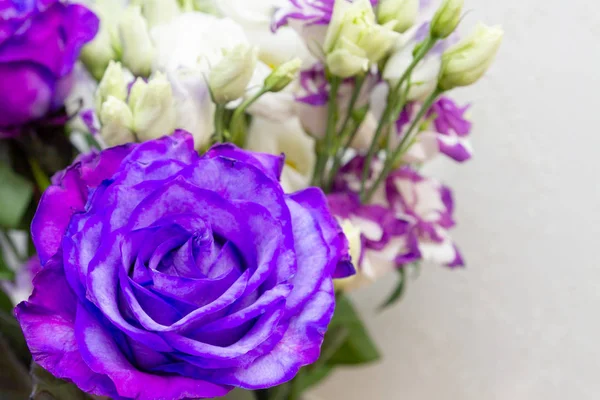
138,50
354,40
403,12
229,79
446,18
116,120
153,108
283,75
113,83
464,63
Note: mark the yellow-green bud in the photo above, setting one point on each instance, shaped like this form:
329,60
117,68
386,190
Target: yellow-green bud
283,75
446,18
354,40
112,84
229,79
464,63
138,50
159,12
153,108
116,120
402,12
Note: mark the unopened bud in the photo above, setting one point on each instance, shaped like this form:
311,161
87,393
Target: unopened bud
154,113
112,84
467,61
229,79
138,50
446,18
402,12
283,75
117,121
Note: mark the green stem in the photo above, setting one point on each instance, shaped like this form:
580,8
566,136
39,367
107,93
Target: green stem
39,175
325,152
337,161
404,145
261,394
220,123
424,48
238,119
358,84
392,109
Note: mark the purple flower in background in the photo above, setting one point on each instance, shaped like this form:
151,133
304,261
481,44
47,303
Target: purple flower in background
20,289
40,42
169,275
307,12
387,239
430,206
453,128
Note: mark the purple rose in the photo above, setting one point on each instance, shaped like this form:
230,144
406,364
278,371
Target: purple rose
40,41
167,275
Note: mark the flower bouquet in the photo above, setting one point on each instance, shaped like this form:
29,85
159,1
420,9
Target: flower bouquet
191,188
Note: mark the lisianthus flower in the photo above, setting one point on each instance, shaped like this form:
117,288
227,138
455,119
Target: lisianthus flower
430,206
174,276
387,240
40,42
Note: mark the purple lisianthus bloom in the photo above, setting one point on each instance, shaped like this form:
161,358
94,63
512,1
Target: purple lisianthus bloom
453,129
307,12
167,275
388,240
40,41
430,206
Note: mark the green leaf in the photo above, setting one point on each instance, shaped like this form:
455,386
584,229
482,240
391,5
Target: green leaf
358,347
313,376
47,387
16,193
13,335
398,291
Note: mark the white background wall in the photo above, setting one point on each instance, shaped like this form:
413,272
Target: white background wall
523,320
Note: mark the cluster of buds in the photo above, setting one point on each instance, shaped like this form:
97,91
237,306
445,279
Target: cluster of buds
143,113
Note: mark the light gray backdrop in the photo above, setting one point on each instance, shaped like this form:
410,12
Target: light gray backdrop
523,320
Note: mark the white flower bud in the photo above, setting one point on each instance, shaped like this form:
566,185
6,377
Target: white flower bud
113,83
97,54
138,50
283,75
116,120
354,39
464,63
446,18
154,113
229,79
402,12
158,12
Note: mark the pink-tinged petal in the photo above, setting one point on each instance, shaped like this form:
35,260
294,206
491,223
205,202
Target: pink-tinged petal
102,354
48,323
269,164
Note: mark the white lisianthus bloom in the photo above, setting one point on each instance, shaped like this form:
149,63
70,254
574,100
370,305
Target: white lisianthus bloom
354,39
289,138
255,17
